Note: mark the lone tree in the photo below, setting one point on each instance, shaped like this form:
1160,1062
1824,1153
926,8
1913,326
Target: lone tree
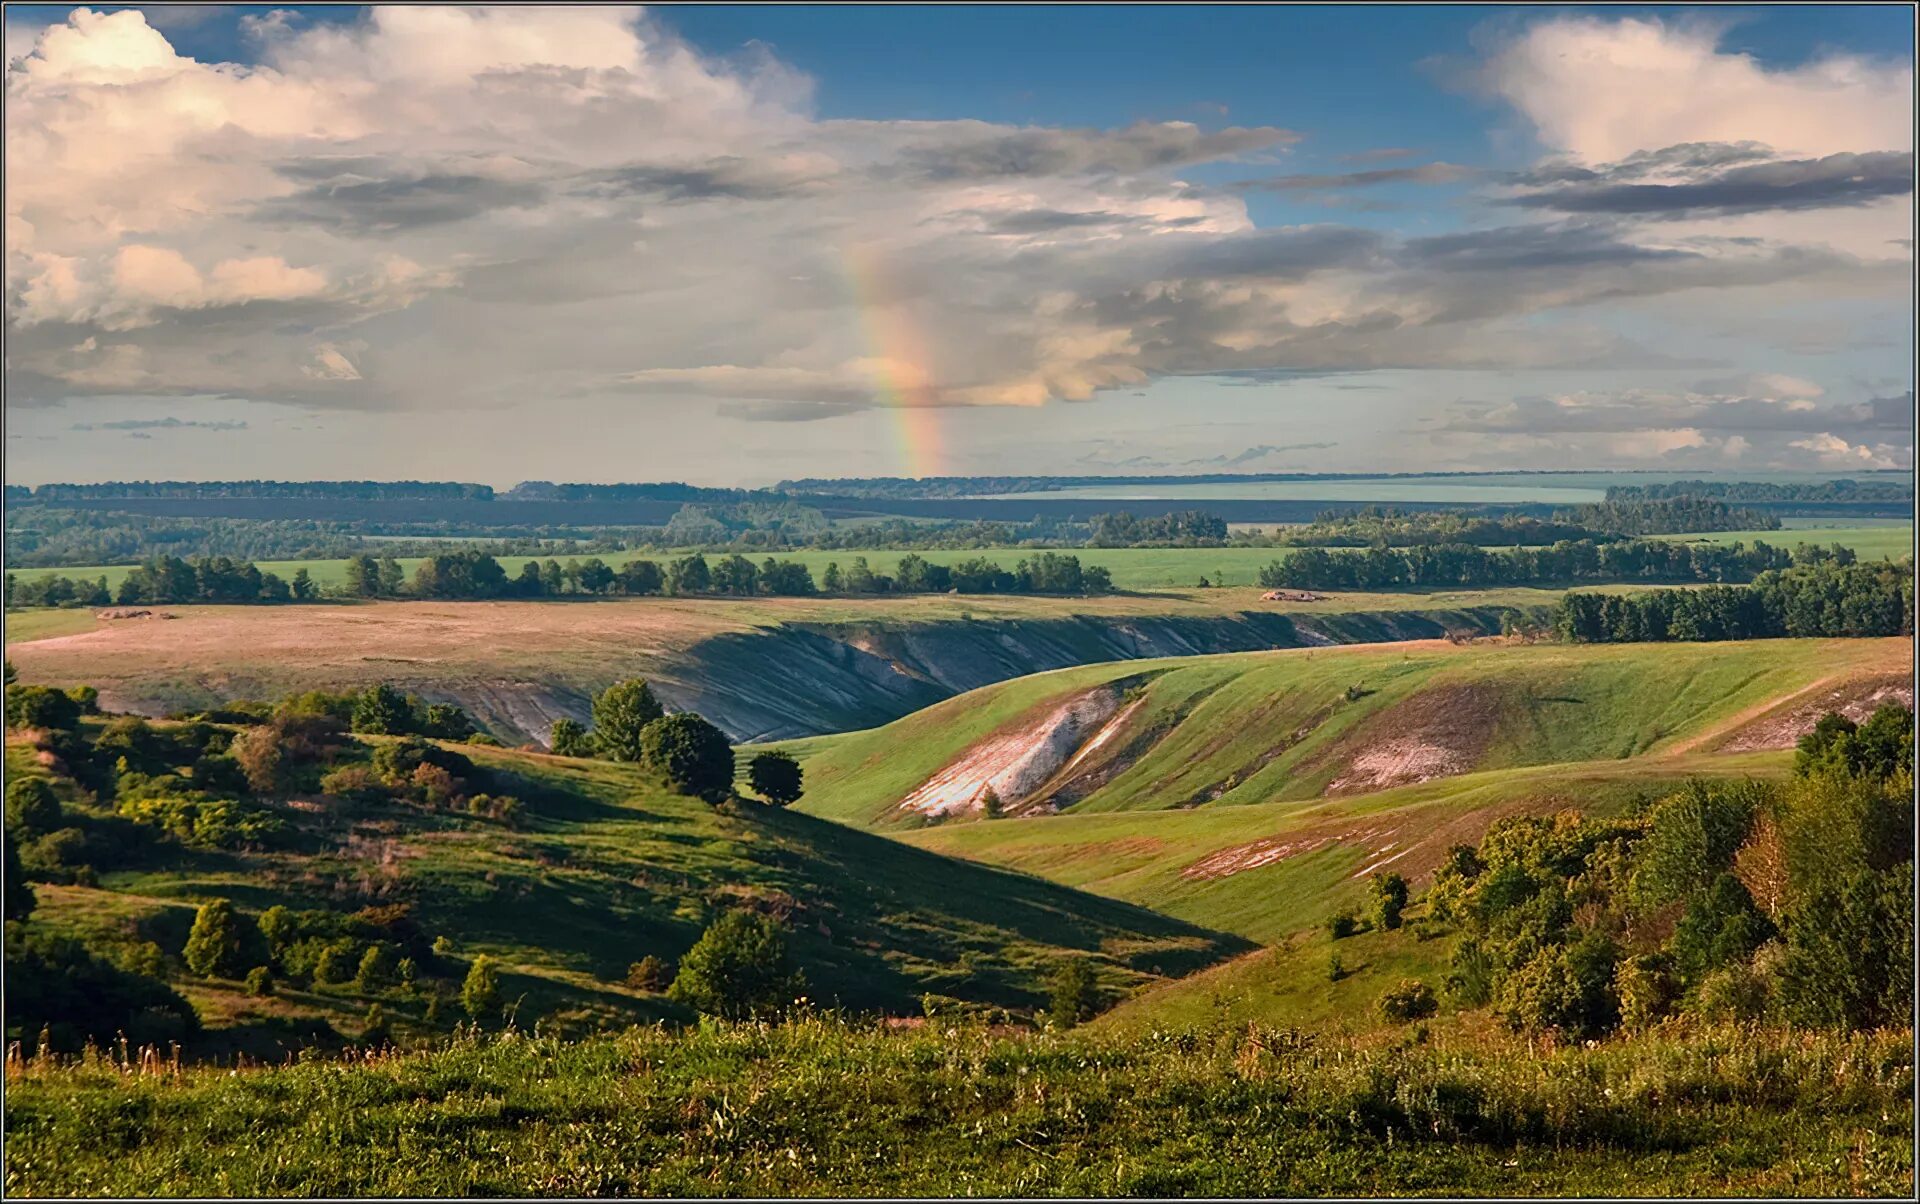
480,994
569,739
738,970
1389,899
775,776
620,714
213,946
692,753
382,711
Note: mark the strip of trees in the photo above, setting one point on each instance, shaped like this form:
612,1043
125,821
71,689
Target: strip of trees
1825,599
1569,560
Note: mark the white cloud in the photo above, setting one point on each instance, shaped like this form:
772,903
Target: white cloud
436,207
1603,88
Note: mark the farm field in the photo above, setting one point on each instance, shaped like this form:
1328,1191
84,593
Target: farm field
1132,568
1211,732
1559,488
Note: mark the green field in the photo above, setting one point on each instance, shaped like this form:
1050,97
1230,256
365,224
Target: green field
1132,568
1870,541
1215,731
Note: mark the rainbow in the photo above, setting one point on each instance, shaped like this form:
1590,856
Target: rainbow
900,365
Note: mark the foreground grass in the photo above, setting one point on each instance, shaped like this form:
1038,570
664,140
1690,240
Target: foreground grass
816,1107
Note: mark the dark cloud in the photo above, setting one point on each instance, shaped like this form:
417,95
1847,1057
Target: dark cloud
159,424
979,151
1425,173
1047,221
729,177
1794,184
361,196
1511,248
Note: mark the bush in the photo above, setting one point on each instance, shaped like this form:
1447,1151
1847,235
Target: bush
1342,924
650,973
1646,989
775,776
19,898
1411,1000
40,706
1388,893
32,808
260,981
480,993
693,754
569,739
738,970
1336,969
1071,994
382,711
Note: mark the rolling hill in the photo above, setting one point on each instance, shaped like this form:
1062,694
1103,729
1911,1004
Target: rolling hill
1308,724
606,867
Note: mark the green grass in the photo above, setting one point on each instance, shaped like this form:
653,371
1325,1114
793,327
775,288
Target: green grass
818,1108
1256,727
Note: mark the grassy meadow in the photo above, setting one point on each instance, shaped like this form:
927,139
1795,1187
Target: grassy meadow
817,1107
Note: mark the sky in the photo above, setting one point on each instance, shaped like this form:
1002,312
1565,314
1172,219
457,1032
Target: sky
734,244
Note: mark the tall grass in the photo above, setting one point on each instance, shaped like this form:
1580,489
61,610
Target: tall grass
820,1106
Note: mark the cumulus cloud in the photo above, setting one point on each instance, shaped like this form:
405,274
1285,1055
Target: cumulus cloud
438,207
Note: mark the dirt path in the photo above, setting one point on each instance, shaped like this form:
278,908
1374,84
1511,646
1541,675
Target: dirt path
1735,722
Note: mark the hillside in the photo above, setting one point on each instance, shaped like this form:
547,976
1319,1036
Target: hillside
1307,724
605,867
765,668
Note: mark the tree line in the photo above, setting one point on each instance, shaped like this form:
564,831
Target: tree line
1838,490
1829,598
438,491
1567,560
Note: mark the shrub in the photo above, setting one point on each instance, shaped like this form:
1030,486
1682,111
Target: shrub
86,698
382,711
19,896
1388,893
1336,969
377,967
480,993
569,739
260,981
1070,994
1342,924
621,714
1411,1000
650,973
445,721
1646,989
694,755
775,776
40,706
738,969
32,808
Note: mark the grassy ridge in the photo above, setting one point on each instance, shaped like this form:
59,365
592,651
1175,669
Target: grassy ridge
1256,727
818,1108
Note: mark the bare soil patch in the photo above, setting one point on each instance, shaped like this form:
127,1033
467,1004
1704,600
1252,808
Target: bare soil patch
1437,733
1786,721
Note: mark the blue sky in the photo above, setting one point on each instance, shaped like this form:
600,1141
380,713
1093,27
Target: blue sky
1143,238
